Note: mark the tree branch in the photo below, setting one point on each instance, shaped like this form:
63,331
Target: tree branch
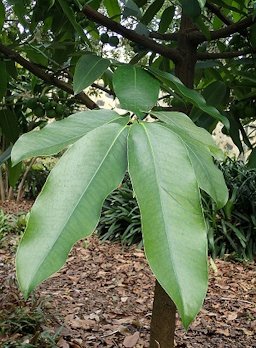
164,37
198,37
153,46
104,89
215,9
47,77
223,55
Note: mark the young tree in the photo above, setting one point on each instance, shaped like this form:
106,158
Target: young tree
178,46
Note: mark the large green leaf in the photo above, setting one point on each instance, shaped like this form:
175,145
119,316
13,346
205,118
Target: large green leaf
136,90
192,8
131,9
188,131
69,206
209,177
88,69
9,125
59,134
214,94
113,9
189,94
201,148
151,11
166,19
174,230
67,10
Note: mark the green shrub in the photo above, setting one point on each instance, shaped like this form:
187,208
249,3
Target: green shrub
5,225
120,219
11,223
37,176
231,230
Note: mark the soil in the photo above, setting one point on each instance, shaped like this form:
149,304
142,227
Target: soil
103,297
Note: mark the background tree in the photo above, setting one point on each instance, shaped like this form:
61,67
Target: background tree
208,45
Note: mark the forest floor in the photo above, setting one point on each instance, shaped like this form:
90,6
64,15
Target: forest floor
103,297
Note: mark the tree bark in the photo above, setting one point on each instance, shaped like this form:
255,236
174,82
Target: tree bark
185,68
163,320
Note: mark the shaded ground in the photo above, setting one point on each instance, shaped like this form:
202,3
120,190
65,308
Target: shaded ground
103,298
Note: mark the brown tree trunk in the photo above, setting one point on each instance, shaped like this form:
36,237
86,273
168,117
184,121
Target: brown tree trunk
163,320
185,68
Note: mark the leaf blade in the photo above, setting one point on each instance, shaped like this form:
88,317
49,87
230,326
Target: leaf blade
189,94
163,205
59,134
78,201
136,90
88,69
185,127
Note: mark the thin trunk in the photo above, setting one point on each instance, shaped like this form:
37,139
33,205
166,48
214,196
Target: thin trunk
20,188
2,189
163,320
185,68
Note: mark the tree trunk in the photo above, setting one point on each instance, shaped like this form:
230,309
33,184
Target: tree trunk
163,321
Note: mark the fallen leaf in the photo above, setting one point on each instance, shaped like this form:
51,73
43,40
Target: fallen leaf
232,316
131,340
247,332
62,343
223,332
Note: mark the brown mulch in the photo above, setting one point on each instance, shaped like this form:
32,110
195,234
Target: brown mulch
103,298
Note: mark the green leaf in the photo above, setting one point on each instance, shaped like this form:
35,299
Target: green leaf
140,3
59,134
2,14
9,125
151,11
203,27
214,94
4,79
71,17
14,173
174,230
88,69
192,8
4,156
252,159
188,131
166,19
131,9
113,9
136,90
210,179
189,94
69,206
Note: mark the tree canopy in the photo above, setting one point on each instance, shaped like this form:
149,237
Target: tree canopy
208,45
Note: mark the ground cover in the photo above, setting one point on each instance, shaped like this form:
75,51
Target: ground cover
103,298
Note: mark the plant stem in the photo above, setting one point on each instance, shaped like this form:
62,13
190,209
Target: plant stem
19,194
